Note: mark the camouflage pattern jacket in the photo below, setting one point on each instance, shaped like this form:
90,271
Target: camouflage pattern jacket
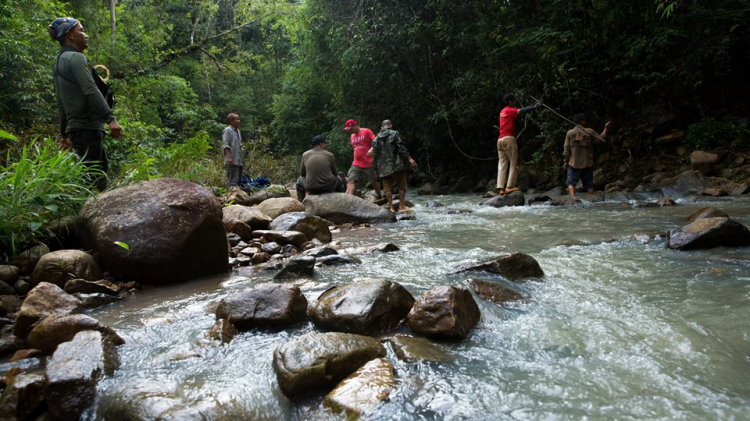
389,153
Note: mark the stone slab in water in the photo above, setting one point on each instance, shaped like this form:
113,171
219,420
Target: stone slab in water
267,306
297,267
709,233
365,389
412,349
514,267
50,332
444,312
493,291
341,208
515,198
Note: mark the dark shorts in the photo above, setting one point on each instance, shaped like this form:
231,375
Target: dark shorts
586,175
88,144
398,179
361,174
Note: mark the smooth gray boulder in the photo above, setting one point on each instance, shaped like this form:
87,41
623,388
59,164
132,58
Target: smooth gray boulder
318,361
515,198
276,206
445,313
514,267
172,228
44,300
254,218
310,225
368,307
708,233
341,208
267,306
74,370
58,267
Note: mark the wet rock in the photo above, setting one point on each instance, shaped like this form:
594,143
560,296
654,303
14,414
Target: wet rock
243,260
27,260
515,198
337,259
173,229
377,248
278,206
250,251
515,267
97,299
297,267
703,161
223,330
259,258
366,307
666,201
60,266
27,365
319,252
715,192
6,289
340,208
9,274
458,211
22,287
263,195
289,250
236,196
444,312
271,248
565,201
247,215
295,238
686,184
268,306
23,397
233,239
433,204
142,400
709,233
430,189
493,291
707,212
52,331
74,370
82,286
44,300
412,349
313,227
23,354
239,228
320,360
361,392
8,343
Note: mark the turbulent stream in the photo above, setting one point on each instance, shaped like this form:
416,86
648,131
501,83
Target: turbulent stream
621,329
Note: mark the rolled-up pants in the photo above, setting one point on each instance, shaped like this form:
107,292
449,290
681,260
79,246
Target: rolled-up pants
507,152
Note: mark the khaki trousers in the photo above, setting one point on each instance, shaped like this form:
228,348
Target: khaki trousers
507,152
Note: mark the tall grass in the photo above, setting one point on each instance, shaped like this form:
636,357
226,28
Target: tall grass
42,185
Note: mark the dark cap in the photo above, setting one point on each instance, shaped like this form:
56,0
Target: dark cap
508,98
60,26
318,139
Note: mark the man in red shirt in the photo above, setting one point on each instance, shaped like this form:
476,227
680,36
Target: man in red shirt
361,169
507,148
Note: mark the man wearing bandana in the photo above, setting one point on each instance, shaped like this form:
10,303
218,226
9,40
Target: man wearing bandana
80,105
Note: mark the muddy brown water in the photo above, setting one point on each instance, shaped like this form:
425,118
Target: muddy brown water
620,328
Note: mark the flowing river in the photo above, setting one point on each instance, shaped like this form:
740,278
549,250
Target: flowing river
620,327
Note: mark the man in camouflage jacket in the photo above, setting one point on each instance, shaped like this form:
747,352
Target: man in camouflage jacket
389,161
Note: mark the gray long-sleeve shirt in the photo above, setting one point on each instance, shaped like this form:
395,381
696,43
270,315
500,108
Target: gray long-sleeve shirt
80,105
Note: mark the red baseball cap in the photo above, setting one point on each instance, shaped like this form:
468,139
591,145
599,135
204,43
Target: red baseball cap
349,124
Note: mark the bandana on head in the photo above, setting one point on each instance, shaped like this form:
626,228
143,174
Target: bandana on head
60,27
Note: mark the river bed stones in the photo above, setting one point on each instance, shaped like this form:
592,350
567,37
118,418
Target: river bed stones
27,260
60,266
44,300
276,206
51,331
341,208
366,307
709,233
317,361
363,390
82,286
23,396
297,267
294,238
515,198
239,228
223,330
254,218
493,291
444,312
9,274
707,212
313,227
413,349
268,306
514,267
337,259
173,229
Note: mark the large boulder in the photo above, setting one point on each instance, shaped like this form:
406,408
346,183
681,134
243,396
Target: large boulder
703,161
493,291
320,360
366,307
74,370
310,225
61,266
280,205
708,233
52,331
514,267
361,392
27,260
444,312
267,306
341,208
254,218
515,198
173,230
44,300
686,184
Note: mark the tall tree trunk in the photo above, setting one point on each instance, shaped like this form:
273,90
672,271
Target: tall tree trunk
112,22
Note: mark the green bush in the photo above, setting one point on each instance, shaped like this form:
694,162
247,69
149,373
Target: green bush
43,185
709,133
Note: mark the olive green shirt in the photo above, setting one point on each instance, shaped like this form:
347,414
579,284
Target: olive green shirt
579,147
80,105
319,169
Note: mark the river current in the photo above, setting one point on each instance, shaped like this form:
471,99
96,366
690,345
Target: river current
619,328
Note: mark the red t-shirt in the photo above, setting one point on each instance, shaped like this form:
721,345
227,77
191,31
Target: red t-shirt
362,142
508,121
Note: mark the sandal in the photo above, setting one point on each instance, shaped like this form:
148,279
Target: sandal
511,190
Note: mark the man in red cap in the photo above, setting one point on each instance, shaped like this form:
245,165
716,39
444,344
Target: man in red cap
361,169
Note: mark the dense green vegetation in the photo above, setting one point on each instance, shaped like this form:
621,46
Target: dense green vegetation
437,68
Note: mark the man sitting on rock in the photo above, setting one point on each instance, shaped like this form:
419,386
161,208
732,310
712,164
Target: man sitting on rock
318,173
579,154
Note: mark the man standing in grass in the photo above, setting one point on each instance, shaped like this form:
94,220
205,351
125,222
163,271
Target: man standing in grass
80,104
231,144
361,169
